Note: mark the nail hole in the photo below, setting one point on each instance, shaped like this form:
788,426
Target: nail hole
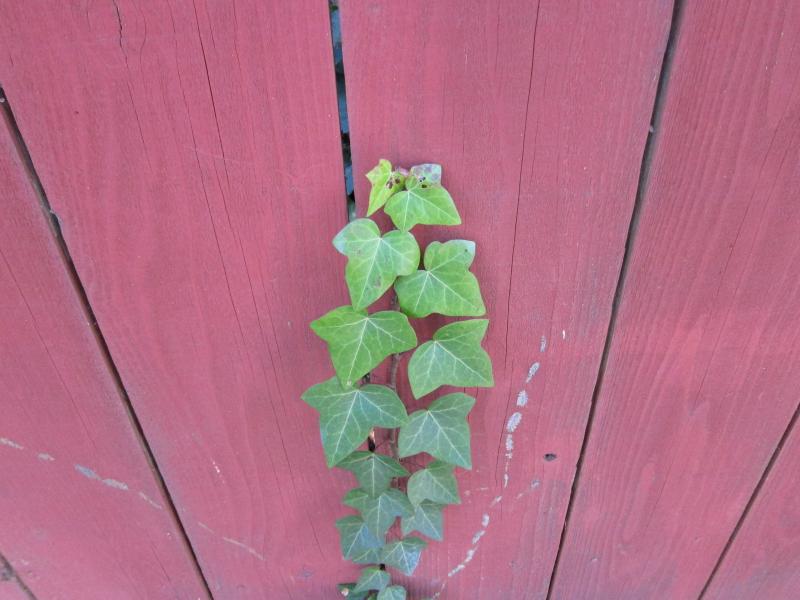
549,457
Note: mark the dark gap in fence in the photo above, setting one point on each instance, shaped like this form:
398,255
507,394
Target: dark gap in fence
341,100
644,173
751,501
55,227
9,574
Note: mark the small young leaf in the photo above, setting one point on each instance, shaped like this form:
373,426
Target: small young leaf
453,357
380,512
385,182
429,173
359,342
393,592
346,590
372,578
346,415
403,554
445,286
436,483
374,261
427,519
358,543
374,471
422,205
441,431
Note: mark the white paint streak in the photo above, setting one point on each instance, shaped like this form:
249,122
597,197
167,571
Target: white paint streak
11,444
509,442
485,520
45,456
563,334
532,372
206,527
543,344
522,398
112,483
496,501
513,422
150,501
86,472
239,544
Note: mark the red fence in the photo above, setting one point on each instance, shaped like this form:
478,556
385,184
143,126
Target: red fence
157,289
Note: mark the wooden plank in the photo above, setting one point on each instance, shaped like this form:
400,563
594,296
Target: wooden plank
81,512
539,114
192,154
702,376
764,559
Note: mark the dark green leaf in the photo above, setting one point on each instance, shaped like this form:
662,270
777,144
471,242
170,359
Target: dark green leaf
385,182
393,592
372,578
358,543
374,471
427,519
403,554
380,512
346,415
436,483
422,205
441,431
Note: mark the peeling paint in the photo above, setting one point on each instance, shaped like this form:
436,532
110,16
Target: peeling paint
11,444
522,398
513,422
45,456
543,344
532,372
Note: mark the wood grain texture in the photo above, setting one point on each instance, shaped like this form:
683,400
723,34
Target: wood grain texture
192,154
702,373
539,114
764,559
81,512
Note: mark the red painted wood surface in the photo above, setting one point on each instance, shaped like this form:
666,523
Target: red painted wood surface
192,154
701,379
539,115
764,560
81,512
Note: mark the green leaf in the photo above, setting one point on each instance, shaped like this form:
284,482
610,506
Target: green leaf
393,592
441,431
372,578
422,205
374,261
453,357
436,483
374,471
403,554
359,342
385,182
358,543
429,173
427,519
445,286
346,415
380,512
346,590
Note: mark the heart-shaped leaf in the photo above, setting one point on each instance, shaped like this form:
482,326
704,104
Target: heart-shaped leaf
385,182
358,543
441,430
427,519
374,261
453,357
380,512
374,471
436,483
393,592
346,415
445,286
422,205
359,342
372,578
403,554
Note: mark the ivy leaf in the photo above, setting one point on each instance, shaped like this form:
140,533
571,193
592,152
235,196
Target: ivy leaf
374,471
346,590
374,261
436,483
453,357
346,415
445,286
358,543
427,519
380,512
403,554
372,578
441,430
393,592
359,342
385,182
429,173
422,205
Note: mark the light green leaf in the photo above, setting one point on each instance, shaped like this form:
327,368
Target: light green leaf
372,578
385,182
374,471
374,261
403,554
429,173
358,543
436,483
359,342
453,357
441,431
379,512
346,415
427,519
422,205
393,592
346,590
445,286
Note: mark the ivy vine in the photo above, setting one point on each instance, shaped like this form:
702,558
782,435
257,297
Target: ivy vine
350,409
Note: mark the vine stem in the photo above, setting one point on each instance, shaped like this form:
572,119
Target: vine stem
393,367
